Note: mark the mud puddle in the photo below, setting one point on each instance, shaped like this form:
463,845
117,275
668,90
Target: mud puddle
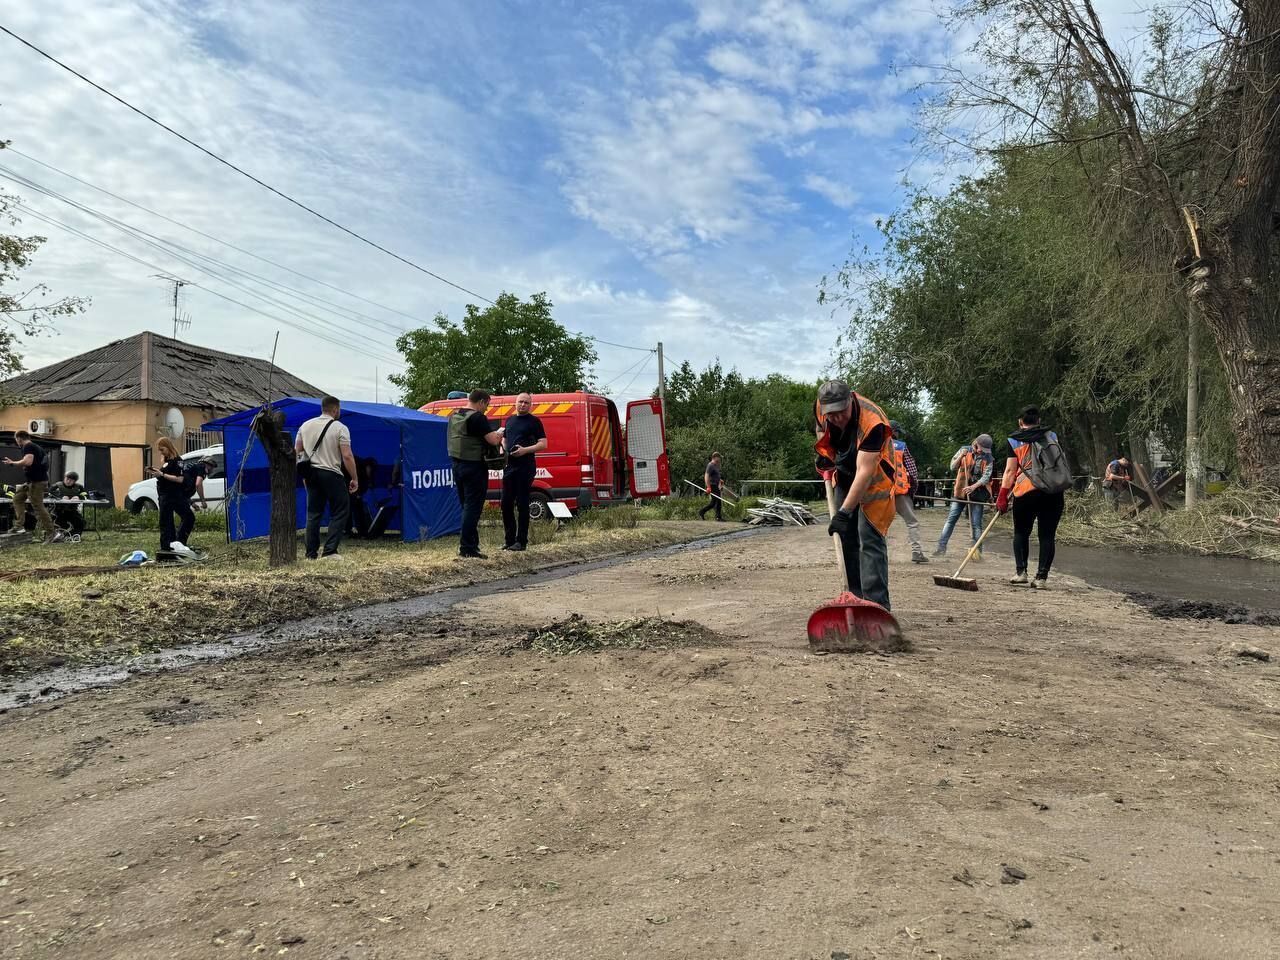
64,681
1174,586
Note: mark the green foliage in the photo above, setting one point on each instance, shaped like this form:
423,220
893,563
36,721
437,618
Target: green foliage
149,520
763,427
24,311
1001,293
506,348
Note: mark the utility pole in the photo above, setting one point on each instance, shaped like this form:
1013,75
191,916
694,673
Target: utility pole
1195,470
662,387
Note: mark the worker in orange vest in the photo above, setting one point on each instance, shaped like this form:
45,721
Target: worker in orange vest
904,490
855,449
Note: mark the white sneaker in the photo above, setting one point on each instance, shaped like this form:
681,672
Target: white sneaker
1020,578
332,556
181,548
1039,583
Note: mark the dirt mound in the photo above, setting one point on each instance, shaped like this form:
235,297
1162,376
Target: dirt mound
578,635
1175,609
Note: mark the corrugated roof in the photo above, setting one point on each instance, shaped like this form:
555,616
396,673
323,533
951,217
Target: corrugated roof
180,374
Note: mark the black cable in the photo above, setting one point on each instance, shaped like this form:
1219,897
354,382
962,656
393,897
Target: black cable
344,344
266,186
219,240
184,252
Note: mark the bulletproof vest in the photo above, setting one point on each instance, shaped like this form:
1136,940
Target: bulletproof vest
461,445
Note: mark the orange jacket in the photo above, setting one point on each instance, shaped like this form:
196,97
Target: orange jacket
877,502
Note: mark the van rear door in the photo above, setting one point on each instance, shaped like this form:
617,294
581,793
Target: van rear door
599,450
647,469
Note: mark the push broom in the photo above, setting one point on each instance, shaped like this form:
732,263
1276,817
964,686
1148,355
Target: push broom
956,581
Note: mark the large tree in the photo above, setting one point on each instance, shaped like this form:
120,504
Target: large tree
1181,138
28,309
508,347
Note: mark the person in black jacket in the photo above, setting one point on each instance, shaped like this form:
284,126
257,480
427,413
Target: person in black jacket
176,481
68,515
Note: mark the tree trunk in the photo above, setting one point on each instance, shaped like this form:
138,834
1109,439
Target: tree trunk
1239,302
283,465
1194,471
1105,444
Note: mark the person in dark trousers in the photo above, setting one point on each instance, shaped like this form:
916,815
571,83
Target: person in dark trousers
1031,506
713,481
360,521
325,443
68,515
470,434
35,469
1117,480
173,490
524,438
855,450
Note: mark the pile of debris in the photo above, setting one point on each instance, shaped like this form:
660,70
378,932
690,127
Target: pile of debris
777,512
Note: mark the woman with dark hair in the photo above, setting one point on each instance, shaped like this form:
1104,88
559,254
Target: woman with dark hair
174,493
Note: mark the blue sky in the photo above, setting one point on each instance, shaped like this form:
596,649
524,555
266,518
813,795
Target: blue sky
675,171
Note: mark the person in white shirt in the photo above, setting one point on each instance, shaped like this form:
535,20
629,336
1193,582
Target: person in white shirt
324,444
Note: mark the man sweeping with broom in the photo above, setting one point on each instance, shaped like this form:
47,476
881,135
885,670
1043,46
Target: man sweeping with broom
855,443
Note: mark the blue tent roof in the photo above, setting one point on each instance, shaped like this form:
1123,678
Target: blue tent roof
413,475
388,412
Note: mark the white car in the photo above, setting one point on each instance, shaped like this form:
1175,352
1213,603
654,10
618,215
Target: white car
142,495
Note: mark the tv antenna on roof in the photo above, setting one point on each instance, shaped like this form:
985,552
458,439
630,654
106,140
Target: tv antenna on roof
181,321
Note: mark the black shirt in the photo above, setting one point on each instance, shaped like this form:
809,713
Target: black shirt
171,489
39,469
478,425
523,430
846,456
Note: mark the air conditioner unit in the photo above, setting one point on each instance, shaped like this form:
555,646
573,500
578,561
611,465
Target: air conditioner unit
40,427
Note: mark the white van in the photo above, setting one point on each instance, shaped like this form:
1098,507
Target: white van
142,496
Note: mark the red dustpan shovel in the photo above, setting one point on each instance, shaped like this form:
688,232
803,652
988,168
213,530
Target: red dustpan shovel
849,624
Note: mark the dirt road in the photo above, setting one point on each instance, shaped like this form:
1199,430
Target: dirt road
1046,776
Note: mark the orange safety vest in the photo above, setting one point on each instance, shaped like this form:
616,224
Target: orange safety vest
1023,451
901,479
877,502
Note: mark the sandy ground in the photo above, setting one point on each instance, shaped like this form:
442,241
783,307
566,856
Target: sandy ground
431,791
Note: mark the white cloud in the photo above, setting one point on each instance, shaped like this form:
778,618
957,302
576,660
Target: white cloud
839,194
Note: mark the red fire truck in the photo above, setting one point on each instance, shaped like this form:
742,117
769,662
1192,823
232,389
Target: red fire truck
590,460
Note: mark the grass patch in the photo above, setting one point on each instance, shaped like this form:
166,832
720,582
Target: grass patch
577,635
49,620
1234,523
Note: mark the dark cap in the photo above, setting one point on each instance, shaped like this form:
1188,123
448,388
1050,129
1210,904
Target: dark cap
984,441
834,395
898,430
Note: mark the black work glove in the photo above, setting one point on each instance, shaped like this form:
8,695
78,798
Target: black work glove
840,522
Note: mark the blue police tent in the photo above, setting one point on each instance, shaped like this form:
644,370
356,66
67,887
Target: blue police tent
413,476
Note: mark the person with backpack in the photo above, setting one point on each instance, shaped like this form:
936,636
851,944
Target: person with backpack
1036,478
905,478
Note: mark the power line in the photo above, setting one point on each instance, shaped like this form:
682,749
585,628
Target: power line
244,173
326,305
185,256
605,386
344,344
633,379
266,186
208,236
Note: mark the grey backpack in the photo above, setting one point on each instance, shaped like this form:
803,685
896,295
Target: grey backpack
1047,467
